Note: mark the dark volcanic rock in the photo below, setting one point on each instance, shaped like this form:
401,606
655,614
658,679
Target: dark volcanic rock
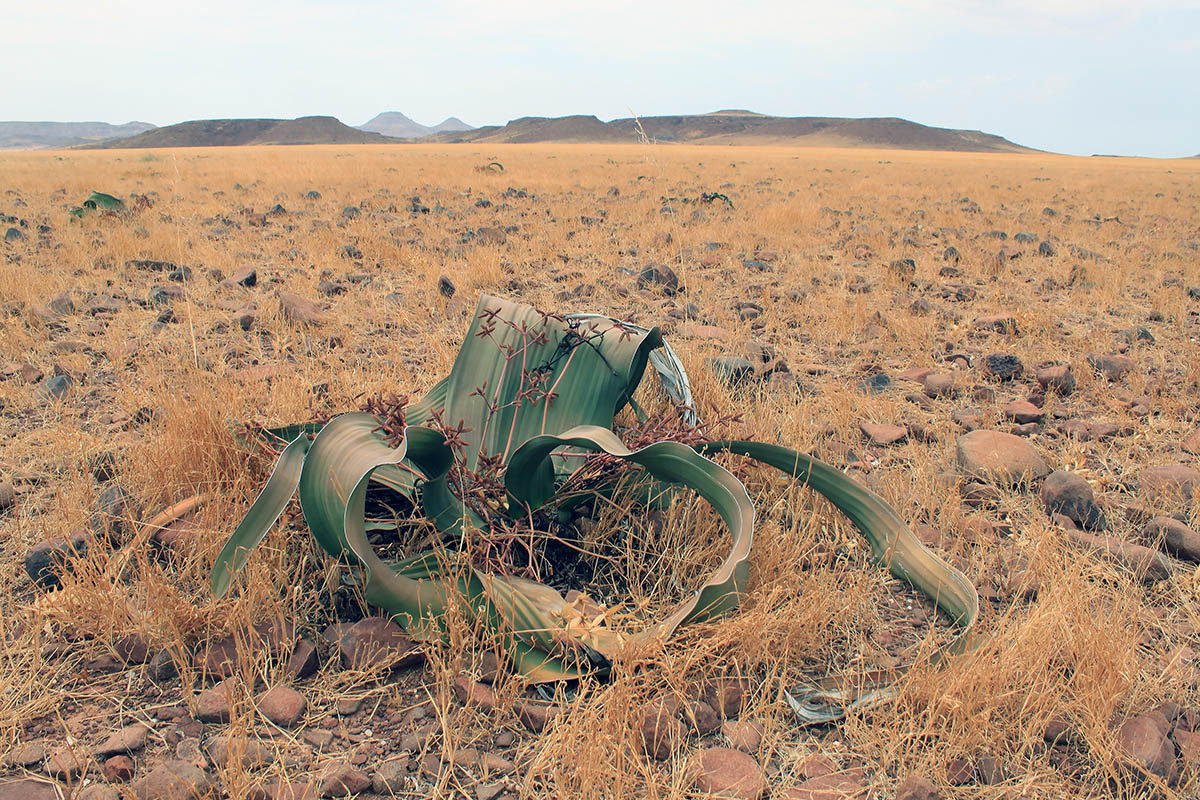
1113,366
1071,495
660,276
46,561
733,370
1003,366
1177,539
56,388
116,514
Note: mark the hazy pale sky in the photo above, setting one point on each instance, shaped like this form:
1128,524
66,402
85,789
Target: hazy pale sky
1073,76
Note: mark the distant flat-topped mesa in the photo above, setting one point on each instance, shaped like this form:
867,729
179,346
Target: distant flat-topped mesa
235,132
41,135
741,127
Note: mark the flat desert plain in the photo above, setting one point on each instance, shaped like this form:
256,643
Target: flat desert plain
948,329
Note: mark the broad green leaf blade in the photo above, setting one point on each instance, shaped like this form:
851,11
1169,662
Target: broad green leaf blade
514,357
530,483
426,463
346,449
894,546
666,365
262,516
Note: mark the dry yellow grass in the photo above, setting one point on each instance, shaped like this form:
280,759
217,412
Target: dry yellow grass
1093,646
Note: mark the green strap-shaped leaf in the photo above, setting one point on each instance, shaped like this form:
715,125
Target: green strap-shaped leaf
262,516
530,483
667,366
894,546
513,354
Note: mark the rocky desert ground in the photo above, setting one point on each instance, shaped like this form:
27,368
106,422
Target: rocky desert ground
1002,346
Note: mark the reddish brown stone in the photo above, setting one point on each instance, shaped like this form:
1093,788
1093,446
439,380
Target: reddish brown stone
1023,412
1175,537
300,310
999,457
29,754
377,643
536,716
173,780
827,787
1189,746
303,661
118,769
727,696
68,764
126,740
917,788
818,766
729,773
1058,379
132,649
659,731
215,703
938,384
960,772
1113,366
1145,564
743,734
291,790
1000,323
472,693
915,374
883,435
1176,480
701,717
30,789
282,705
343,780
1143,742
1070,494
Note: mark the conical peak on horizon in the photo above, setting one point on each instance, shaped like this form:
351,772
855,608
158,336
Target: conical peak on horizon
401,126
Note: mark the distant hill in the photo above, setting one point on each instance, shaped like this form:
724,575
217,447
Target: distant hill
34,135
235,132
741,127
395,124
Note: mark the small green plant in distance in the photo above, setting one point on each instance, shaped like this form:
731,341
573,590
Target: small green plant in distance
520,433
